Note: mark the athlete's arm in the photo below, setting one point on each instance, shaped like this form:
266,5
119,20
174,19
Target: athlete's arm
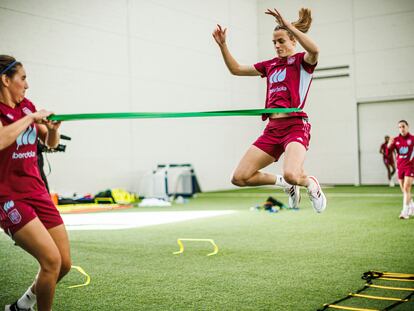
9,133
312,50
391,145
49,133
234,67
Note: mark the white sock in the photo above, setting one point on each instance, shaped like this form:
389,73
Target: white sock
28,300
281,182
405,204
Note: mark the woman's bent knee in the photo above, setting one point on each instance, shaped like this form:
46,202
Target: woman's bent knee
65,267
51,263
291,177
238,180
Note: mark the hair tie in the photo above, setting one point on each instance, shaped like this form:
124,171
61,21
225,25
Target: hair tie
8,67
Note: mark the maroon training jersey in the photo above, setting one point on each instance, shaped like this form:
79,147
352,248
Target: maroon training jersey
386,153
288,82
404,147
19,171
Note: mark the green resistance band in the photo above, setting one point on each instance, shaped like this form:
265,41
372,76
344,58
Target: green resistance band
154,115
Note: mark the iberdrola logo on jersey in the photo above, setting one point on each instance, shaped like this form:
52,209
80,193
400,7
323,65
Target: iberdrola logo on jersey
28,137
278,76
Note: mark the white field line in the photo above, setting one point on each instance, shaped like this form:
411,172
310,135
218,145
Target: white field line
331,195
114,221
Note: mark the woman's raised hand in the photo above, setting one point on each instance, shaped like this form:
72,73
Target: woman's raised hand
219,34
279,18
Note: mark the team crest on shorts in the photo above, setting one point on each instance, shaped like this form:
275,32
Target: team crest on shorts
15,216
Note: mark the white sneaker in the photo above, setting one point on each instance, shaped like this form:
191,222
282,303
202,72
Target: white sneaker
317,196
410,211
14,307
294,196
404,215
392,184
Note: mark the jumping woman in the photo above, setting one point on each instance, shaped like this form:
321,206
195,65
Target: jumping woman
288,77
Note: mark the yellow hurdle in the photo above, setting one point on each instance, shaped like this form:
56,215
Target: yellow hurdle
397,274
391,287
81,271
377,297
350,308
180,243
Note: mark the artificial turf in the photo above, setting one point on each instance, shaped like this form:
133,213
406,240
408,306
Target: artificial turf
287,261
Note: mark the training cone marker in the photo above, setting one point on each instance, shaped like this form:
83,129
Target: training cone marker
81,271
180,243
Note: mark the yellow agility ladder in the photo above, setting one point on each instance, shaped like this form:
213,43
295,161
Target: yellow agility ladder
369,277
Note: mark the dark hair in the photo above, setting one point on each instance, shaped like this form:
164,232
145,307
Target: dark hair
303,23
403,121
5,61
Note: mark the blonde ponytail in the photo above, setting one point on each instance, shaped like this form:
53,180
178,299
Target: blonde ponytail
305,20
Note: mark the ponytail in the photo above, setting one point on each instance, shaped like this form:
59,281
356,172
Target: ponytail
305,20
302,24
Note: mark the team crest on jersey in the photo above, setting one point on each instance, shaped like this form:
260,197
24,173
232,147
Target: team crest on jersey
15,216
27,111
409,142
10,116
291,60
278,76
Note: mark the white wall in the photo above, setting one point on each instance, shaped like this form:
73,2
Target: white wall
136,55
374,38
158,55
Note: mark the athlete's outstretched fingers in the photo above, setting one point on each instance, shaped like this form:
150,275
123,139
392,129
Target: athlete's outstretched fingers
293,164
36,240
247,172
60,236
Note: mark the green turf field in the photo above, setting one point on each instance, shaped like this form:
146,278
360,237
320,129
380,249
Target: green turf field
286,261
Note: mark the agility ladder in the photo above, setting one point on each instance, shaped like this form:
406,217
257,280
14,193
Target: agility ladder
158,115
375,275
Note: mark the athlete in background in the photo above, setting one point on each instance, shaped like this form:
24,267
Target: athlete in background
27,213
403,145
388,159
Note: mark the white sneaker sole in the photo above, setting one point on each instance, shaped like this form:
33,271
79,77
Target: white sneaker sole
292,203
322,195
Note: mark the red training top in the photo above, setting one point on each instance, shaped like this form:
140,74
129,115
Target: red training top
19,171
404,147
386,153
288,82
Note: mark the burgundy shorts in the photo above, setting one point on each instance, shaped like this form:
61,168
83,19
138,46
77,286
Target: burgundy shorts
280,132
14,215
388,161
405,172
